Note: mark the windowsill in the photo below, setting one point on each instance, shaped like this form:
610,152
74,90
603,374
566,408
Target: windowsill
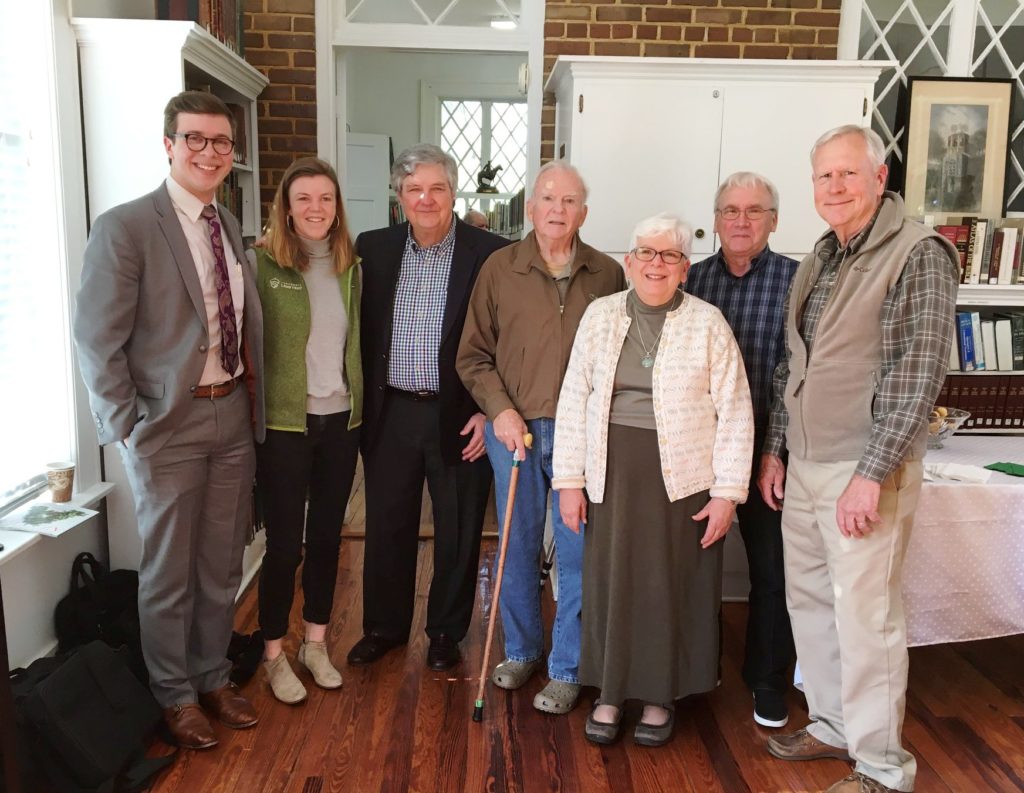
15,542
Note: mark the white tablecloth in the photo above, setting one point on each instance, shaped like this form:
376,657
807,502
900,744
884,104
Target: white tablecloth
964,572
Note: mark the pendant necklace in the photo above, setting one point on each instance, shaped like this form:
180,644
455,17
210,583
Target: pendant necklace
648,360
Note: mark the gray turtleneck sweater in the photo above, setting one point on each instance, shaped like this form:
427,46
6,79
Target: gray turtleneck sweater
326,389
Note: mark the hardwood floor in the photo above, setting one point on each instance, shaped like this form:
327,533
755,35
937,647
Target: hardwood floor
396,726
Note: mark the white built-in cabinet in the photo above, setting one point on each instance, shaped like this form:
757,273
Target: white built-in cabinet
129,69
659,134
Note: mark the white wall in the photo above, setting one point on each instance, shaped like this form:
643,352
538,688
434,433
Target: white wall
114,9
382,88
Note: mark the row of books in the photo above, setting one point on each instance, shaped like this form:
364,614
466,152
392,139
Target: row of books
990,248
506,218
222,18
229,195
241,132
995,403
988,342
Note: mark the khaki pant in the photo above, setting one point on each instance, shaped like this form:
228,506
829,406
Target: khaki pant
846,605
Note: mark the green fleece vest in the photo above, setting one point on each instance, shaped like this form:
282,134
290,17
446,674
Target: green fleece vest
286,320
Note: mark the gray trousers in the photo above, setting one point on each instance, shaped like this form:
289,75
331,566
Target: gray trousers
193,500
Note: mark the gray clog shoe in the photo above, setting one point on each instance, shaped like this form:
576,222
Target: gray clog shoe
511,674
557,697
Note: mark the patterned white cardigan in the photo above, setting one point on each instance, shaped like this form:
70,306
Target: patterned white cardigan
701,398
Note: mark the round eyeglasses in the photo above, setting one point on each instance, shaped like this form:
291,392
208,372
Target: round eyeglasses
750,213
197,142
646,254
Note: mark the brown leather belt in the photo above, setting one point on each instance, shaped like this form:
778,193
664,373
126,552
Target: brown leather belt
215,391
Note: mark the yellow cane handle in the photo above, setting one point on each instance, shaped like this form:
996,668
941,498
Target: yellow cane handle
528,440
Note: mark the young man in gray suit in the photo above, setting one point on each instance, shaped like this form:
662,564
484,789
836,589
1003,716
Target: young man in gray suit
169,334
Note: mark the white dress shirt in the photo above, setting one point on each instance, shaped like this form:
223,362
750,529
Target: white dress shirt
197,232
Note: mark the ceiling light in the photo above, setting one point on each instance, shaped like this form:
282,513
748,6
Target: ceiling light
503,24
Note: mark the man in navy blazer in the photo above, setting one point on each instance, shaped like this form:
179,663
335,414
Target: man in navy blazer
169,334
419,422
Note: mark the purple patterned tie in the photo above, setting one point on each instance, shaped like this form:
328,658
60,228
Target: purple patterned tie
225,305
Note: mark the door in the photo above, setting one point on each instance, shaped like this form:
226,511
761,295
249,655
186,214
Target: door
758,135
646,147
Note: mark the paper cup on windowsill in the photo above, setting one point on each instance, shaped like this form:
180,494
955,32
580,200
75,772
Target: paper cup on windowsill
60,477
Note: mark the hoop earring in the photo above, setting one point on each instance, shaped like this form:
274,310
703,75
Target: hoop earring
336,224
288,223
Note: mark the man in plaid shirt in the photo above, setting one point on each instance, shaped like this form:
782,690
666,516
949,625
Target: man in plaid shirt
748,283
869,323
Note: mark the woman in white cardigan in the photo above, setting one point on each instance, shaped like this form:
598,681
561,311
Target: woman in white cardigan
654,421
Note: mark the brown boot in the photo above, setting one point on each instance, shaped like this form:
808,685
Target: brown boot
230,707
189,726
801,745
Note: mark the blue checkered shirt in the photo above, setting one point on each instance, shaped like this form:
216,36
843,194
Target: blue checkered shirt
419,313
754,306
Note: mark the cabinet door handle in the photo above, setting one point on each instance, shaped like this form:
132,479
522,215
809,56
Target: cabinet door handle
699,234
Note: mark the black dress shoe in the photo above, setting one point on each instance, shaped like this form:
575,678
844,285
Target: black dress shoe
443,652
370,648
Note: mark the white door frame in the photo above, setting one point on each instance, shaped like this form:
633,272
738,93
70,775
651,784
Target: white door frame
334,34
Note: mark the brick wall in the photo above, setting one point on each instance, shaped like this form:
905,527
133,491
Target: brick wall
801,29
279,41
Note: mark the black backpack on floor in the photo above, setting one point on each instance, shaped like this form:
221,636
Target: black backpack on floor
101,605
84,720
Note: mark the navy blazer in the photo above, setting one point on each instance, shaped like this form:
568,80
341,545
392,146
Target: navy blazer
381,252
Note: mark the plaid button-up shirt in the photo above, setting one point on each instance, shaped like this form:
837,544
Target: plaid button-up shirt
420,299
753,304
916,309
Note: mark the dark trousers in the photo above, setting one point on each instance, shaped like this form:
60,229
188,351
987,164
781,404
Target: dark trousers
769,649
407,451
318,464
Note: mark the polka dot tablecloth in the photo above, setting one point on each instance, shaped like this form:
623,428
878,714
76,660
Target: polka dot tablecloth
964,573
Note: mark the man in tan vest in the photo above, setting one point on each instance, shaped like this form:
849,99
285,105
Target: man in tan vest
869,321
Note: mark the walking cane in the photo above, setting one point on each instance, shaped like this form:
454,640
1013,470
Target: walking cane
513,480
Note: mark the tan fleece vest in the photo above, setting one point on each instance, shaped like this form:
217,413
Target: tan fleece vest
830,397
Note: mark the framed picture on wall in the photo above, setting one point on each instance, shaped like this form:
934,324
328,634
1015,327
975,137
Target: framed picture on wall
956,147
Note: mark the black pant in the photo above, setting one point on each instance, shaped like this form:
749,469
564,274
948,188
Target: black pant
769,648
320,462
406,451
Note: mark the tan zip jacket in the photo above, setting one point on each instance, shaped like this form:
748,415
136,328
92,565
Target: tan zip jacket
516,342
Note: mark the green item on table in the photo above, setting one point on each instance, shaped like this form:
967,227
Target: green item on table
1013,469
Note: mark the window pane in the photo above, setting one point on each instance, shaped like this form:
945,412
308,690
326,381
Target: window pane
508,144
998,43
461,130
34,348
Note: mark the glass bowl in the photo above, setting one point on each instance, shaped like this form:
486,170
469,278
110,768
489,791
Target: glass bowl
940,428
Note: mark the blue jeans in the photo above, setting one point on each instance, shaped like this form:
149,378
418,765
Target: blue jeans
520,591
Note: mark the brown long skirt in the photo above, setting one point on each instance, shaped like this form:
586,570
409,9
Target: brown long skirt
651,595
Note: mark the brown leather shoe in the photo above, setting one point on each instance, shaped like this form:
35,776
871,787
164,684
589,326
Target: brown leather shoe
859,783
801,745
230,707
189,726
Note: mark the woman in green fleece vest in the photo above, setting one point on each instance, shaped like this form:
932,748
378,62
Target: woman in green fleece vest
308,278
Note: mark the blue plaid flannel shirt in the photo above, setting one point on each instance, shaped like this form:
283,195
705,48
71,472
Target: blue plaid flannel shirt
754,307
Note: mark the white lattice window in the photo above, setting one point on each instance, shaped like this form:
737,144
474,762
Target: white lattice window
940,38
469,13
475,131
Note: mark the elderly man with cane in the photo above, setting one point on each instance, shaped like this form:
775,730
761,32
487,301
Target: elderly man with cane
519,331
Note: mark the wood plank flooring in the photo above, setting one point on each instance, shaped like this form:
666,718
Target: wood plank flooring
397,726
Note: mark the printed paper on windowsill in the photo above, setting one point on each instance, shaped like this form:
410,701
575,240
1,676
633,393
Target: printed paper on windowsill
42,517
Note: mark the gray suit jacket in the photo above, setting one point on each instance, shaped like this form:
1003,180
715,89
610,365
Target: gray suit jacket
140,323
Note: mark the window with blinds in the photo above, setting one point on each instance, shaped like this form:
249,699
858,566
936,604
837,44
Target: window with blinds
35,349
